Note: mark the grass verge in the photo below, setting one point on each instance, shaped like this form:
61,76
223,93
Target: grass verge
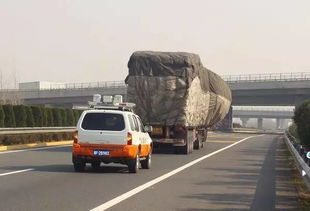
302,190
29,138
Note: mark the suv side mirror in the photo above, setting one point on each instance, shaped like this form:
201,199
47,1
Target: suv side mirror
148,128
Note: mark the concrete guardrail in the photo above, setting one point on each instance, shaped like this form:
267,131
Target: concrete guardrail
300,156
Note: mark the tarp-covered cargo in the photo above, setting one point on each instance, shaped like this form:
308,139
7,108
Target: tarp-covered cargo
171,88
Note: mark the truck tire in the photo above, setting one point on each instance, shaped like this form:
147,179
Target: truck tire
197,144
95,164
202,144
133,165
188,148
146,164
79,167
191,145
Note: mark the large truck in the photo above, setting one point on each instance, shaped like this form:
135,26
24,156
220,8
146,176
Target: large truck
177,96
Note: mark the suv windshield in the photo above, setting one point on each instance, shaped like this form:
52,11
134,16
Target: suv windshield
103,121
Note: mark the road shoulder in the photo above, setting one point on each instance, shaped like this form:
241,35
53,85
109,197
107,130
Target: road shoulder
35,145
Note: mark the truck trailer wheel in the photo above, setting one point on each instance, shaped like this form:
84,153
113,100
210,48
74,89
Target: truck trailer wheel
197,144
202,144
133,165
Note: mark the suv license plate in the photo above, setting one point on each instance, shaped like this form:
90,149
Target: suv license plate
101,153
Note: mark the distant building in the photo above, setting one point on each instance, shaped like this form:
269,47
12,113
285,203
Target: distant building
40,85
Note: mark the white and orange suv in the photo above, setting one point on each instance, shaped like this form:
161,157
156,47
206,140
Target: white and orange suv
111,135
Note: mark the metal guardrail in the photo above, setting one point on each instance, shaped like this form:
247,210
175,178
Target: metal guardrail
24,130
74,86
265,108
301,76
300,157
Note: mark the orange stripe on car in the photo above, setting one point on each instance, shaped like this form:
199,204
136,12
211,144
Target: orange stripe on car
128,151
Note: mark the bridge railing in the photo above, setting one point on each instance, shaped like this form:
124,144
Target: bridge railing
266,109
107,84
89,85
301,76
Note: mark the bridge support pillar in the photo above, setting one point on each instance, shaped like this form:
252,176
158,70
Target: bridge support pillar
278,123
260,123
244,121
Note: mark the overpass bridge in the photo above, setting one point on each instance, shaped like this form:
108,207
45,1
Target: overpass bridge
280,114
282,89
271,113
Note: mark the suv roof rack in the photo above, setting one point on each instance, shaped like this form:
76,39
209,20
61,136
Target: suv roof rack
119,106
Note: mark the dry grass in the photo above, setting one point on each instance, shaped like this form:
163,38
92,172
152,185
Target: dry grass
302,190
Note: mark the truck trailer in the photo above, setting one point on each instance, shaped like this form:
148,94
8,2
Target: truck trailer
177,96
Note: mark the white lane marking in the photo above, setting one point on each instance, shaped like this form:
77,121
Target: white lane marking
140,188
33,149
16,172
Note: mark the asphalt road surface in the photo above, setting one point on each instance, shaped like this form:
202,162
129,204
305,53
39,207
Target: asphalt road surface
232,172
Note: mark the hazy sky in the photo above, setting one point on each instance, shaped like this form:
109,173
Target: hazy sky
92,40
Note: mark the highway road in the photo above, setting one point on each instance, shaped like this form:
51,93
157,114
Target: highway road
233,172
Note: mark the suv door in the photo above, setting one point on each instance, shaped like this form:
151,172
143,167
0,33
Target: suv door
145,139
135,130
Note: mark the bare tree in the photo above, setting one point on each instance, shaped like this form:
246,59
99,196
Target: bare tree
7,95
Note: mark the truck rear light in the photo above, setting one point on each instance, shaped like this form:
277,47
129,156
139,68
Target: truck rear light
157,130
75,137
129,139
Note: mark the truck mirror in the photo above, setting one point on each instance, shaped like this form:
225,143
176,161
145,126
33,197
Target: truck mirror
148,128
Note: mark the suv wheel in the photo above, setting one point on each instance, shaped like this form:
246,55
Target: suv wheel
146,164
79,167
133,165
95,164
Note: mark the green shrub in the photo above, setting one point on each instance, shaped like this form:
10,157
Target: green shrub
50,117
9,120
76,116
13,139
29,120
37,116
57,117
1,116
44,116
70,117
20,115
63,116
293,130
302,120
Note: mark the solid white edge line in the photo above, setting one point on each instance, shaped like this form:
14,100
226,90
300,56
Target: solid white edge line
16,172
33,149
140,188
